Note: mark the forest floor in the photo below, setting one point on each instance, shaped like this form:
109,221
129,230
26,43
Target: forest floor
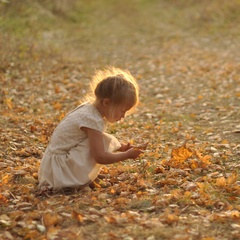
186,185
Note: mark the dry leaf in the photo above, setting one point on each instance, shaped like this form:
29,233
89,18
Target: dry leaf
51,219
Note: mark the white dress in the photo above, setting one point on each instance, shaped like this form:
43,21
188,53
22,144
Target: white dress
67,161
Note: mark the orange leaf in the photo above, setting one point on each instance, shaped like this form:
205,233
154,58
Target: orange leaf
110,219
77,216
159,169
181,154
206,159
51,219
57,106
52,232
3,199
171,218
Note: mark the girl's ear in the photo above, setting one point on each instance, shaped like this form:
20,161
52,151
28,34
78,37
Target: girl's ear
106,102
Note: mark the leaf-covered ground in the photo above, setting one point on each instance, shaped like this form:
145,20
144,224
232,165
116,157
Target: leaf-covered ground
186,59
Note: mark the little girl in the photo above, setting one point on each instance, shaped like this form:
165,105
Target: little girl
79,144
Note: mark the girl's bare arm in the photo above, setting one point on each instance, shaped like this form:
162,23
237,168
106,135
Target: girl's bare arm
103,157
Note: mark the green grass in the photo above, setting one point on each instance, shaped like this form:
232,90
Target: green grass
20,19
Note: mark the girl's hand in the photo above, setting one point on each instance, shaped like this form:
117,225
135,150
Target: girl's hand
125,147
101,156
134,152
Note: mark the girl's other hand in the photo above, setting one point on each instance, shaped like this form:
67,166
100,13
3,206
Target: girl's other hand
142,146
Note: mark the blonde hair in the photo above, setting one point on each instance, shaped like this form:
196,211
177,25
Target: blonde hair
115,84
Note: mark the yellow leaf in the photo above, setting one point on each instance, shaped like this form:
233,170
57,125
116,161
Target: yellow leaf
200,185
175,129
176,193
8,102
121,201
187,194
43,139
104,170
194,165
112,191
141,184
208,238
5,179
131,141
206,159
235,214
57,89
33,234
166,148
221,182
225,141
232,179
93,198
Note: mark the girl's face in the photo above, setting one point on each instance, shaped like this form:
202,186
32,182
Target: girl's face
116,113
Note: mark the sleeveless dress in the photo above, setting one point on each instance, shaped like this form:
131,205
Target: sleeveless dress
67,161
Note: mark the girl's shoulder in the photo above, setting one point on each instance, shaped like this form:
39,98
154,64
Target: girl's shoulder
89,116
84,107
84,115
86,110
